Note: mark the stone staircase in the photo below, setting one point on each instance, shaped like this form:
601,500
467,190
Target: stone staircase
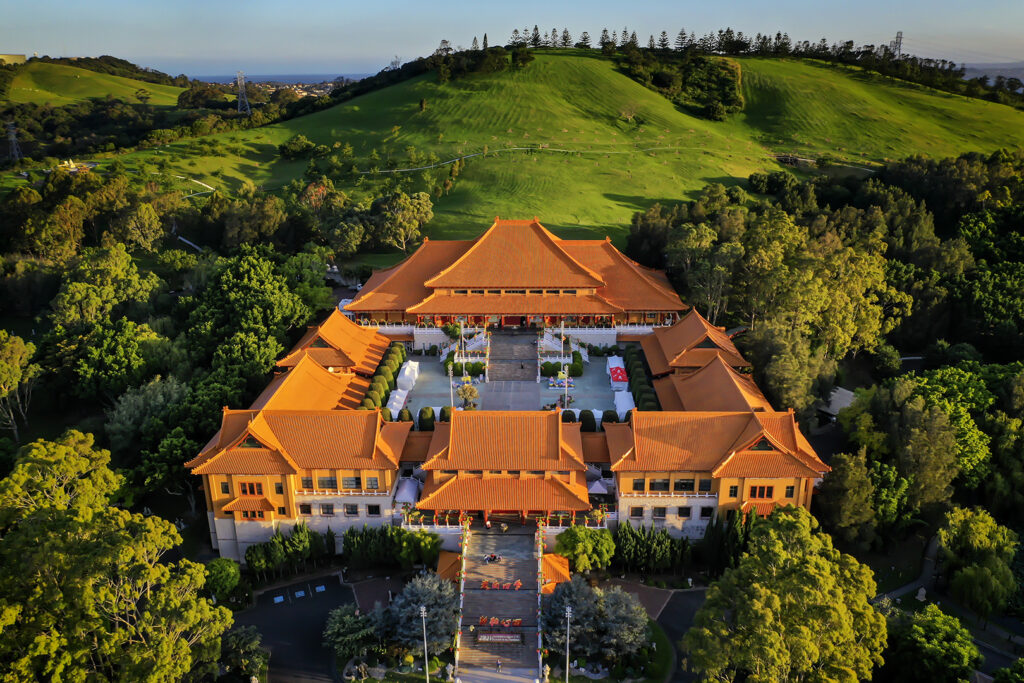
477,659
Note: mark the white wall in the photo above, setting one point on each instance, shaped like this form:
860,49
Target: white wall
692,527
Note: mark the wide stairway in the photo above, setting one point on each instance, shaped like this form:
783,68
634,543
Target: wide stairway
518,562
513,357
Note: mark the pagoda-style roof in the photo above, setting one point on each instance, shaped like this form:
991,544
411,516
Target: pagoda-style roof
728,444
310,386
547,276
691,343
504,493
286,441
506,440
340,344
513,254
715,387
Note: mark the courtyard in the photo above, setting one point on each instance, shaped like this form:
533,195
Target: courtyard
433,388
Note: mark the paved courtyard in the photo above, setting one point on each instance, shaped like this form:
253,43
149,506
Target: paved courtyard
592,390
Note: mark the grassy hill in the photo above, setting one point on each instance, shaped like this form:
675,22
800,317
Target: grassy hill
57,84
603,146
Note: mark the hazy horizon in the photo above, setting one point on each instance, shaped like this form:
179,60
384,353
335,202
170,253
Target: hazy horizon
319,37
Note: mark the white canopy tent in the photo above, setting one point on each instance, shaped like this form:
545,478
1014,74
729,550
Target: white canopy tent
408,491
407,377
623,403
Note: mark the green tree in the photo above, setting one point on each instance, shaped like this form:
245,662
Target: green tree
766,619
586,548
979,553
242,655
139,227
397,218
348,633
18,375
1011,674
442,604
222,576
99,282
930,646
847,497
467,393
139,416
609,624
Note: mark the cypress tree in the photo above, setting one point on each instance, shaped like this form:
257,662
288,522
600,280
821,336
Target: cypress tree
485,41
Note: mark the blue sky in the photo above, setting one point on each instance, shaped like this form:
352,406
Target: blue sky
206,37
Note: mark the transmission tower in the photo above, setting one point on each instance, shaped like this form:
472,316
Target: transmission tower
243,100
897,45
12,138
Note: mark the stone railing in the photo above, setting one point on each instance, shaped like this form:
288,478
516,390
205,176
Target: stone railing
463,547
538,545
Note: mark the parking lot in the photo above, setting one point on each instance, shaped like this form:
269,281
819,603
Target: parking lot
292,621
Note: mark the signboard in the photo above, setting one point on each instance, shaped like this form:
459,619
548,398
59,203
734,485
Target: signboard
499,638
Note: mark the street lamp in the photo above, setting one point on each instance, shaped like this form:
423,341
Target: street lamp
568,617
426,665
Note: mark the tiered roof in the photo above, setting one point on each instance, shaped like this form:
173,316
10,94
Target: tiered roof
517,254
288,441
340,344
715,387
728,444
310,386
504,493
506,440
691,343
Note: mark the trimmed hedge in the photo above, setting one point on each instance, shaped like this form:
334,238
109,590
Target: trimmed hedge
446,414
367,404
576,370
568,416
385,414
609,417
588,423
404,415
373,397
426,419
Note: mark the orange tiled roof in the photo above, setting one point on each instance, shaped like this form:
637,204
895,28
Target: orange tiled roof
763,508
703,441
503,494
416,446
767,464
514,254
556,571
249,504
401,286
513,304
628,285
340,343
285,441
310,386
715,387
595,447
507,440
692,342
448,564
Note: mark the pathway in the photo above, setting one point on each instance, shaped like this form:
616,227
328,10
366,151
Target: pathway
925,579
518,659
513,357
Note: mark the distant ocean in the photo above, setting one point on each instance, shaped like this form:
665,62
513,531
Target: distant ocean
281,78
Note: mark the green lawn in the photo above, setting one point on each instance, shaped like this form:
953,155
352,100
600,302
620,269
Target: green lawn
898,565
58,84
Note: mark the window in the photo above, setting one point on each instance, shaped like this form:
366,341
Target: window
372,483
636,512
684,512
536,291
659,484
373,510
351,510
327,482
514,473
734,491
537,472
305,509
515,291
551,291
659,513
564,473
252,515
652,316
762,491
638,485
250,489
281,511
307,483
462,291
449,471
705,485
683,485
494,291
568,291
790,490
351,483
494,471
476,291
474,472
763,445
225,487
279,488
707,512
327,509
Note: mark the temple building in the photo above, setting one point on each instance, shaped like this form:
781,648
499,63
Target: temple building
312,449
518,274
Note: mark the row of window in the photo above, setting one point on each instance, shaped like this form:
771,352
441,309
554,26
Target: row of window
349,510
678,486
549,292
683,512
331,483
514,473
